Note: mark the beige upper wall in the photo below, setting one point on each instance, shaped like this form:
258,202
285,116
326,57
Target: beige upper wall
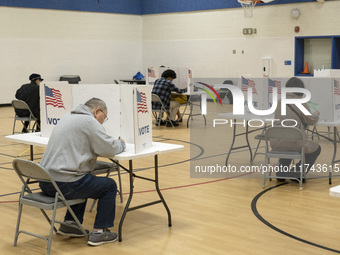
270,21
52,24
99,47
206,41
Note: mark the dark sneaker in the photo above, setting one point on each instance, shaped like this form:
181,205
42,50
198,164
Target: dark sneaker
162,123
97,238
173,123
71,230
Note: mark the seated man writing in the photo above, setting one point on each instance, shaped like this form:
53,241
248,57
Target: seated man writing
71,153
163,88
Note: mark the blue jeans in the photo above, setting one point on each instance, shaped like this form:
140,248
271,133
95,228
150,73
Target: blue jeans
102,188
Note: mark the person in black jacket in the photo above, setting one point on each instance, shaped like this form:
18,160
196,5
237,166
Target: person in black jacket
29,93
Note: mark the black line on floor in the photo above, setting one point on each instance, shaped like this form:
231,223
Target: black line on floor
179,162
257,214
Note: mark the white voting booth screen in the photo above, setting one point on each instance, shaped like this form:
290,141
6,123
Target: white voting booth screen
151,75
59,98
55,102
336,105
325,93
137,99
259,92
321,90
183,80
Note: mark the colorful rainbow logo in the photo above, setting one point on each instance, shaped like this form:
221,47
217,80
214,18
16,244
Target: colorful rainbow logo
208,92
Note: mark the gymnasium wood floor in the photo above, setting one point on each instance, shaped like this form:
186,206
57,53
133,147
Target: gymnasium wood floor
210,216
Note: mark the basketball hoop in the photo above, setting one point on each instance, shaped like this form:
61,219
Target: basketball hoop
248,6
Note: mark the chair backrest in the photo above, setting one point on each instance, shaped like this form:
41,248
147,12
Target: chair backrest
155,98
286,133
34,171
228,82
30,169
20,105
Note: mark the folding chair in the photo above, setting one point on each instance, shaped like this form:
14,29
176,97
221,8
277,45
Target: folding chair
191,103
33,170
260,138
22,106
285,133
107,168
155,98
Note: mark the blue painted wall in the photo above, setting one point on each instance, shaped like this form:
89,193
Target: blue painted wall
110,6
138,7
164,6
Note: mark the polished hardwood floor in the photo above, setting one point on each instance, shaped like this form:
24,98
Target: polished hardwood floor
229,215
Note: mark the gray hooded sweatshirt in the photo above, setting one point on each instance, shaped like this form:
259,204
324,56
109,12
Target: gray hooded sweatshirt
75,144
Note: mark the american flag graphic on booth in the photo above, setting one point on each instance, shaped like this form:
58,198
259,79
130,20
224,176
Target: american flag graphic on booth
274,83
336,88
151,73
141,102
250,83
53,97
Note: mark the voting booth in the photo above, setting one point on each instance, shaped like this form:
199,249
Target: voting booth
331,73
325,94
129,108
183,80
259,92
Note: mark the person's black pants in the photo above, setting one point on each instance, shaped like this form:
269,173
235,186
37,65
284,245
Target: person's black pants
37,128
310,159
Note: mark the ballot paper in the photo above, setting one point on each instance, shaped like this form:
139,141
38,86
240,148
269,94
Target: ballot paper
313,107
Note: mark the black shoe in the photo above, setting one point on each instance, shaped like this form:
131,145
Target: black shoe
71,230
180,120
161,123
173,124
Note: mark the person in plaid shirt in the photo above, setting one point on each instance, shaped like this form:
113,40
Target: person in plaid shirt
163,88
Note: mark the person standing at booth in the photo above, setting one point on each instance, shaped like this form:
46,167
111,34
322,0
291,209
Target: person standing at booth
29,93
71,154
163,88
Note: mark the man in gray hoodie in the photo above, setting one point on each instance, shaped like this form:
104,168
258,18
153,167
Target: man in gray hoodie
71,153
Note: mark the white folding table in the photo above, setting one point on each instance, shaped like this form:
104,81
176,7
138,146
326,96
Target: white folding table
249,117
156,149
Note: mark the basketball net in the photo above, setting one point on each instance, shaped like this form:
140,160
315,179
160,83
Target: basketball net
248,6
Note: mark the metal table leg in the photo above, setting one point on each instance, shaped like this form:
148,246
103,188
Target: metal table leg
127,208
